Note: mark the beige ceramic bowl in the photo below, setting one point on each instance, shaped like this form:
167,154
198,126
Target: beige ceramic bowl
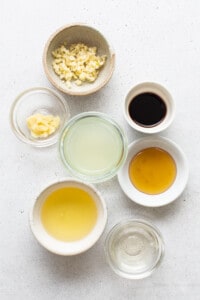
76,33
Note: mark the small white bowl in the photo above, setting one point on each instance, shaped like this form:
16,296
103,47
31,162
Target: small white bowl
67,248
155,88
72,34
174,191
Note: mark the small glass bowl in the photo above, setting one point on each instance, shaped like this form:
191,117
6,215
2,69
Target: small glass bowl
93,147
37,100
134,249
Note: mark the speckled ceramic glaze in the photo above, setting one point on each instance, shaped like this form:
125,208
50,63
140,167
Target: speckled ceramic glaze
79,33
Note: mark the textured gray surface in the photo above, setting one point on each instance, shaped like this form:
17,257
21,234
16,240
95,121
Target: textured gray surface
154,41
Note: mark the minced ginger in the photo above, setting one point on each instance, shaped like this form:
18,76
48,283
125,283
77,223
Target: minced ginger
79,63
42,126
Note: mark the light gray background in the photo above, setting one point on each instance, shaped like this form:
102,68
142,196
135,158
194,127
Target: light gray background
154,41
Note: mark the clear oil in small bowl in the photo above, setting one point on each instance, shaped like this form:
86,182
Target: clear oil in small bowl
134,249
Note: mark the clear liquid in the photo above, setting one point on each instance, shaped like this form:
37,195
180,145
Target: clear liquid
134,250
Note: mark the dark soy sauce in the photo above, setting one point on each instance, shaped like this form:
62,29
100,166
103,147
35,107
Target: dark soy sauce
147,109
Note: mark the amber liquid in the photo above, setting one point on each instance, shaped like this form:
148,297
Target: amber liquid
152,170
69,214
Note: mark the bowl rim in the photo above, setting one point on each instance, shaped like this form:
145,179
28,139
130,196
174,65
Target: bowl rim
111,121
102,218
37,143
158,89
174,191
158,236
68,91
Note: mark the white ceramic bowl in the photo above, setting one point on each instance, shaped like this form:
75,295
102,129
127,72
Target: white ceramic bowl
67,248
72,34
174,191
155,88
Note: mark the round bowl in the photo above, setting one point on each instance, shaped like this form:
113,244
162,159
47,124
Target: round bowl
37,100
134,249
163,94
92,147
176,188
73,34
73,247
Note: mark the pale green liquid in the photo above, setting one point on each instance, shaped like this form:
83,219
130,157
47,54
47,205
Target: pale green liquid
93,146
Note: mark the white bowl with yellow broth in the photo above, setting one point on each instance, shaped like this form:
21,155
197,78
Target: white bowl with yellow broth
68,217
155,172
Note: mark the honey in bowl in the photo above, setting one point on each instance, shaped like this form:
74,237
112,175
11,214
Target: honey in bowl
152,170
69,214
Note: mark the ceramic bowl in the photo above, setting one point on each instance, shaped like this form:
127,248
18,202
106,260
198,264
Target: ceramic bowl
67,248
177,187
159,90
79,33
33,101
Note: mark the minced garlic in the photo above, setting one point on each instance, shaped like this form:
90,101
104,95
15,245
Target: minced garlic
42,125
79,63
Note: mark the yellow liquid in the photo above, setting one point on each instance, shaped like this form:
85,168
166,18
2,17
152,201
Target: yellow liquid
93,146
152,170
69,214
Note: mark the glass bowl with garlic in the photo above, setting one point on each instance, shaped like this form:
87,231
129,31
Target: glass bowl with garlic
38,115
